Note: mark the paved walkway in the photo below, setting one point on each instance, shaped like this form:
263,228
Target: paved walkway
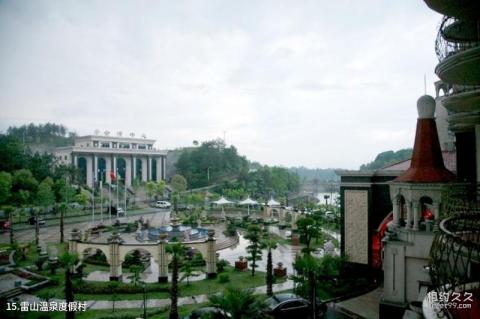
365,306
126,304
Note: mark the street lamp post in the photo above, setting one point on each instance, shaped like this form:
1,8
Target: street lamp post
116,183
93,205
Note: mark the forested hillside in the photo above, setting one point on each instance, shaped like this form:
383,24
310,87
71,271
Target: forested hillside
49,134
387,158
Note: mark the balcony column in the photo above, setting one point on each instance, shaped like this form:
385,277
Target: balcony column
75,161
211,257
416,213
162,259
409,214
396,211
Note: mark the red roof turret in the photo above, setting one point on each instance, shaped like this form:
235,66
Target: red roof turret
427,163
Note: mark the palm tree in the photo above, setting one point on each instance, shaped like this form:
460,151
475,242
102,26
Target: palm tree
177,250
238,302
68,261
271,244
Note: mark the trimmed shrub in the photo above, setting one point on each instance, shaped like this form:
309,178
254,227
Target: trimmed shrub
223,278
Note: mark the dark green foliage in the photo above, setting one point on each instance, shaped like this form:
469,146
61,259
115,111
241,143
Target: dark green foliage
223,278
231,229
254,235
240,303
387,158
210,163
48,133
222,264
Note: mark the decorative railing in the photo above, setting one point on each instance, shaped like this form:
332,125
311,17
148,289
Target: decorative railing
446,46
455,256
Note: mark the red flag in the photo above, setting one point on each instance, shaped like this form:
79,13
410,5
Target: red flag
112,176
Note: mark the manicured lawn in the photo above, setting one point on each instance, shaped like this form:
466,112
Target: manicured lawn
208,286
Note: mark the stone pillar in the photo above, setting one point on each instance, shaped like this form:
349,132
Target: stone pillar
115,264
409,215
95,169
134,168
211,255
149,168
115,166
144,169
108,169
159,169
416,214
162,259
89,171
75,236
164,166
75,161
396,211
128,171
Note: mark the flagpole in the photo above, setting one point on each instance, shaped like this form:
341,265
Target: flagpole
116,182
101,200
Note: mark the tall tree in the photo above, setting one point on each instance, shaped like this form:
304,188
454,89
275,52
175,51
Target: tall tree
179,183
5,187
254,235
307,230
68,261
177,250
271,245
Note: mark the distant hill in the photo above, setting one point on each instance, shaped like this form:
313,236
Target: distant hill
42,137
387,158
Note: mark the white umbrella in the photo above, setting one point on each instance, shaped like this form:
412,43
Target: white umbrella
248,201
222,201
273,203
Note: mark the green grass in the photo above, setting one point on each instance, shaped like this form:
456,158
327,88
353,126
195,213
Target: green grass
207,286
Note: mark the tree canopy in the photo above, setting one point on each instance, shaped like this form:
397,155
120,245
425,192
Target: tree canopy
387,158
210,163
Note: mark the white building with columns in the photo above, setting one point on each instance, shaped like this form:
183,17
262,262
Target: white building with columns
101,158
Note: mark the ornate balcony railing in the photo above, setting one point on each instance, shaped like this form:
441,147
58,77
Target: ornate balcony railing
455,258
450,43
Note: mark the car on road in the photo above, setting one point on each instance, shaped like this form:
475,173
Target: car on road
32,221
183,207
120,212
208,312
287,305
329,215
288,234
162,204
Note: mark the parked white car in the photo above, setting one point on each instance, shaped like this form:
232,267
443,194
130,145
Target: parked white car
329,215
163,204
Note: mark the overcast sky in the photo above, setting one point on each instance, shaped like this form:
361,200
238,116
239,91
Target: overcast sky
313,83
